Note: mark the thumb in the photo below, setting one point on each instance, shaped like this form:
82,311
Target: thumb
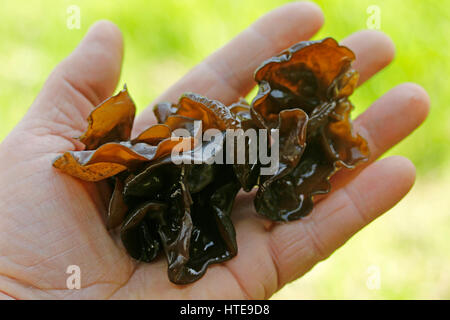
81,81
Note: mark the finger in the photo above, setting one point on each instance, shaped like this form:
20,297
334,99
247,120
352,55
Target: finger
404,108
228,73
388,121
373,50
85,78
296,247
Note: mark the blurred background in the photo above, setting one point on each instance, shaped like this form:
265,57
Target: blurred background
403,255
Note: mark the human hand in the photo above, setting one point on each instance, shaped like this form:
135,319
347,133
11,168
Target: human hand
50,220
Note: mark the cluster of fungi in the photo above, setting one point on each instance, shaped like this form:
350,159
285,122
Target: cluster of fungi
184,209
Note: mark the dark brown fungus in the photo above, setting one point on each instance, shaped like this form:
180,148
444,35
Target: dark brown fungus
173,193
315,78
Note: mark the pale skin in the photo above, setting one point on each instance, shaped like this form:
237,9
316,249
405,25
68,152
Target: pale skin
50,220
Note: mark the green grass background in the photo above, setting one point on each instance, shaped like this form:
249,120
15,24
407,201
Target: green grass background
163,39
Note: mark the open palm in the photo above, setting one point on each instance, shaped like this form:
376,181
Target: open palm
50,220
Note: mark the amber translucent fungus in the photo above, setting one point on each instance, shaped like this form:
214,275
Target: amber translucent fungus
112,120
